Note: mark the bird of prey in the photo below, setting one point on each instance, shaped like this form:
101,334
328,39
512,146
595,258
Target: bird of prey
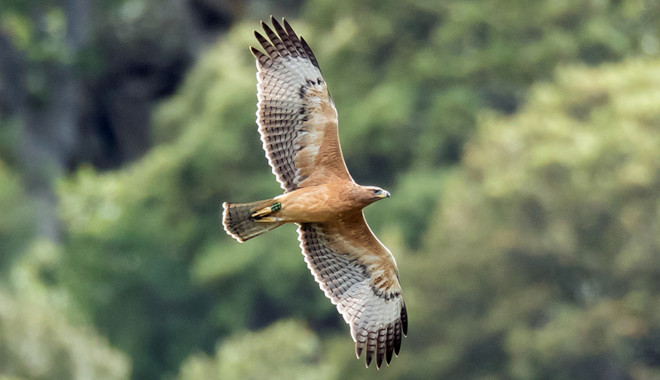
298,126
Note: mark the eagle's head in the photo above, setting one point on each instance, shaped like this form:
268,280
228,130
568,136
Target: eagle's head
371,194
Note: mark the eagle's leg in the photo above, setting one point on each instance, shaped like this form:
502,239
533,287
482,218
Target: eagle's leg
260,214
269,219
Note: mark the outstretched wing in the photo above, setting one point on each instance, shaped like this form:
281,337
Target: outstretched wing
296,116
359,275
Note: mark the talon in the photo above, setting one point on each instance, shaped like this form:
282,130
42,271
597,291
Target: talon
261,213
268,219
267,210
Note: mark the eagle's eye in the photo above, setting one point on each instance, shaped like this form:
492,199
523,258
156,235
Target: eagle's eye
377,191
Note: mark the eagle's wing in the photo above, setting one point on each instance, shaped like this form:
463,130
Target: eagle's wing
296,116
360,276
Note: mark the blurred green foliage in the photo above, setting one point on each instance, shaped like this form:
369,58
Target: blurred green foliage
285,350
526,184
548,236
16,218
38,339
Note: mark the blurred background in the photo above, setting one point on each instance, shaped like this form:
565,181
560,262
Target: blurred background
520,141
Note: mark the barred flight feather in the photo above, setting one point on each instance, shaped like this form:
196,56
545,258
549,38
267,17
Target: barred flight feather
295,112
377,316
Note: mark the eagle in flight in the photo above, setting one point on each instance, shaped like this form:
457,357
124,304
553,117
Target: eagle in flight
298,125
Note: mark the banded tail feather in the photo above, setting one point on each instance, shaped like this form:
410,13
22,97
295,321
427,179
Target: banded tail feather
243,221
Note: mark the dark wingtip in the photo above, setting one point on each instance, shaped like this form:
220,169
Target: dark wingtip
287,26
261,58
404,320
379,359
277,26
397,343
267,28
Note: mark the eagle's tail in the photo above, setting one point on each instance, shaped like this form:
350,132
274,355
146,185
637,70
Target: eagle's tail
244,221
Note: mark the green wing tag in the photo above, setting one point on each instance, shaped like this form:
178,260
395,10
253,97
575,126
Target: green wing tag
276,207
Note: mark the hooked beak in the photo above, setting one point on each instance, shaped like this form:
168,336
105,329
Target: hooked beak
384,194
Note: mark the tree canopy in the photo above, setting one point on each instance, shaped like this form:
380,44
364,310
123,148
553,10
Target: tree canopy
519,142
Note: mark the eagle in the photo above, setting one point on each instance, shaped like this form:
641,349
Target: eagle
298,124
